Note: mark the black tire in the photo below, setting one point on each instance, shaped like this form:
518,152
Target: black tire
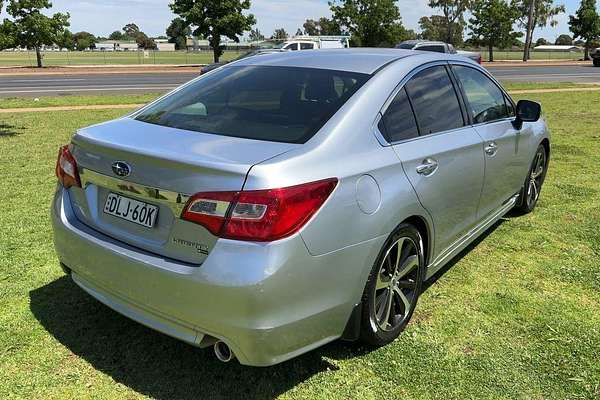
596,62
529,195
376,330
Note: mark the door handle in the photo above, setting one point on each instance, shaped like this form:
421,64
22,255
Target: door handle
428,167
490,148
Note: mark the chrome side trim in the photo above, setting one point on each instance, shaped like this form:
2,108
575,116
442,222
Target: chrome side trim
175,201
464,241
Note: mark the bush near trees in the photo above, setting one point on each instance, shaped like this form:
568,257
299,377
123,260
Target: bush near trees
279,34
564,40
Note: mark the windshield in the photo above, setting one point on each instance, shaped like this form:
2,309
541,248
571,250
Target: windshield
280,104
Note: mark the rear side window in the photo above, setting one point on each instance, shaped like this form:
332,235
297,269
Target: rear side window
280,104
434,100
306,46
486,102
398,122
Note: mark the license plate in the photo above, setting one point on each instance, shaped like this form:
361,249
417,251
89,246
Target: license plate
131,210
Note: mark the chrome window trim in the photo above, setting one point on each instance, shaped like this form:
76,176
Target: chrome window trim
381,138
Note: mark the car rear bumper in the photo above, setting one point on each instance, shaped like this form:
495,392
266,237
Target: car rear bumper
268,302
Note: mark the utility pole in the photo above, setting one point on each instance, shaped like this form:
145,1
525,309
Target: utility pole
528,37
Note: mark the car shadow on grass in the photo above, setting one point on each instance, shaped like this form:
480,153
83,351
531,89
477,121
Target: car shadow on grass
161,367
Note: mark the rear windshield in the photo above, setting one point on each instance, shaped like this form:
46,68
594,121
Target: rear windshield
279,104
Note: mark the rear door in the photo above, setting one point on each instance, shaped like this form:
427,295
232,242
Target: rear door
505,149
440,155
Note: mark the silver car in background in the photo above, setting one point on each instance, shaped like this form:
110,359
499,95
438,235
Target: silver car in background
285,201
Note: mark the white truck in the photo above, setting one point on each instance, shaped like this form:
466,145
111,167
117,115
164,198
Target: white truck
316,42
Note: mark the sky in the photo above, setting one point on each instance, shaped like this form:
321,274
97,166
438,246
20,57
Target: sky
101,17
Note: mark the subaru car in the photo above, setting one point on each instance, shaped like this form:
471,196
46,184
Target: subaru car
285,201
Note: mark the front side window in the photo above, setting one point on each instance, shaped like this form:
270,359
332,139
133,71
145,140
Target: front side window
486,102
280,104
292,46
306,46
398,121
434,100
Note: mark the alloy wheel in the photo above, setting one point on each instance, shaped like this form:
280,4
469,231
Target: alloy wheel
536,177
396,285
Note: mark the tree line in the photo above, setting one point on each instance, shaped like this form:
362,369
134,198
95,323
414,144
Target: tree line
370,23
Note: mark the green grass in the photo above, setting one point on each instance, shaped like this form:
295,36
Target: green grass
516,317
56,58
501,55
76,100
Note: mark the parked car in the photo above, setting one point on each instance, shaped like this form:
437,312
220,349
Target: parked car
207,68
288,200
316,42
438,47
595,54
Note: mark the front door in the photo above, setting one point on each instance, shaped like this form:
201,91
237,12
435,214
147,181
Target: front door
505,149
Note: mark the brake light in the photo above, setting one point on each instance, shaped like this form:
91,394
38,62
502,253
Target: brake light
258,215
66,168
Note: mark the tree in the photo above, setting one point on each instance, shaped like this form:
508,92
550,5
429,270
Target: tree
491,24
299,32
214,19
324,26
280,34
178,32
585,24
453,13
116,35
66,40
256,35
131,30
434,28
541,42
371,23
564,40
144,42
30,28
84,40
535,14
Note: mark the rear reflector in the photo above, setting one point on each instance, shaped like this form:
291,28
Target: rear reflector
66,168
258,215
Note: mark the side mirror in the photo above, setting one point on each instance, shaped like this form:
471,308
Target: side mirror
527,111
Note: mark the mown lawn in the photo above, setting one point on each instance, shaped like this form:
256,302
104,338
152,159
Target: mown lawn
55,58
517,316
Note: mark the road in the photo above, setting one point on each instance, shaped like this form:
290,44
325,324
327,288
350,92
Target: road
40,85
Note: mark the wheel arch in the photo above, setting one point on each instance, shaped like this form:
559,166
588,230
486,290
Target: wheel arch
421,224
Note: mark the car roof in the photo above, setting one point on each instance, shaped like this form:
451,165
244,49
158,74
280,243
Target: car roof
360,60
417,41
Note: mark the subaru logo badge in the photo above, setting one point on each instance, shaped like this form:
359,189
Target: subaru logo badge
121,168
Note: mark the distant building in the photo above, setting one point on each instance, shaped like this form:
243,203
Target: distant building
557,47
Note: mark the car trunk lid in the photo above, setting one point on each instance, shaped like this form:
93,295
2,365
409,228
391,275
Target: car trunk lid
166,166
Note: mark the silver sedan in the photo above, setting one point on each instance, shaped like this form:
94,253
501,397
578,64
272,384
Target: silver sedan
285,201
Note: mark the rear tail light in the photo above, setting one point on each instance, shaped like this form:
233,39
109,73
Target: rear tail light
66,168
258,215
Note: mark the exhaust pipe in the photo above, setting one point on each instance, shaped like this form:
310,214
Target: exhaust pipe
223,352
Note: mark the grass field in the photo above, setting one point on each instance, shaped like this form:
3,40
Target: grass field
54,58
517,316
